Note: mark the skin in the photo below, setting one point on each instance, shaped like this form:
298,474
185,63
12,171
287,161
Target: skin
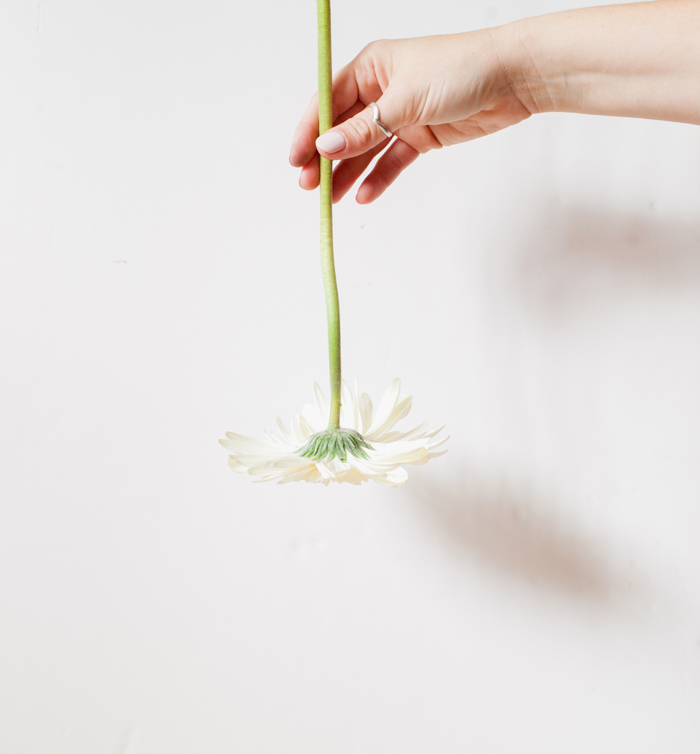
640,60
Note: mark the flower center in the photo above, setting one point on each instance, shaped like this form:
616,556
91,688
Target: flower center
332,443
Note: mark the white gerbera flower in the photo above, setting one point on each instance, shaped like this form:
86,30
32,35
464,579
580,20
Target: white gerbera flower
368,446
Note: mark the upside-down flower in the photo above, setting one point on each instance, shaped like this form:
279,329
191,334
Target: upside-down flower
343,440
367,446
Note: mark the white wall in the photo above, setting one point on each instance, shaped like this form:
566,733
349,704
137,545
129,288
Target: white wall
536,589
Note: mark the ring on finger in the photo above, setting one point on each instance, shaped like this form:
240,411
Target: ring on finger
377,122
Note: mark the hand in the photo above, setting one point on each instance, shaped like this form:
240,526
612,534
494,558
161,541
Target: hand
432,92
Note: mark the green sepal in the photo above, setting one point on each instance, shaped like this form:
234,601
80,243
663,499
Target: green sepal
335,443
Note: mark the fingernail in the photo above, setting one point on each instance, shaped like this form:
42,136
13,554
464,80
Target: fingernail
331,142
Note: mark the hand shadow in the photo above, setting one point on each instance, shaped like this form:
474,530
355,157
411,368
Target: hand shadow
576,258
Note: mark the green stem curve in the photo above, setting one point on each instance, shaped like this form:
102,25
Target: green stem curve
330,285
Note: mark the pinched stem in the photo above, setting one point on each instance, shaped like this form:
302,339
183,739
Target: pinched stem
330,285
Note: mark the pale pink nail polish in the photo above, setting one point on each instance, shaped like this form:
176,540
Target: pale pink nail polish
331,142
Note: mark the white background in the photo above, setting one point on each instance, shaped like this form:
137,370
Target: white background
537,589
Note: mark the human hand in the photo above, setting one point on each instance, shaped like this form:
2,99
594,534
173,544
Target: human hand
431,92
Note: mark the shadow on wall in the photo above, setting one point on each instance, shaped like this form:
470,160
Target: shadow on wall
520,536
576,257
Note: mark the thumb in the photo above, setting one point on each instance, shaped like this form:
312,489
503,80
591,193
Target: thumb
360,133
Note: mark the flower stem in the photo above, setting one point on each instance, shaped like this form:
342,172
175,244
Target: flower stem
325,121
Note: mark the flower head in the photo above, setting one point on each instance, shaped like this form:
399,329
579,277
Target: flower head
304,451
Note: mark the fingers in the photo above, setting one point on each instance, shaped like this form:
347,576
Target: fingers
348,171
345,95
355,140
310,175
359,134
303,142
388,168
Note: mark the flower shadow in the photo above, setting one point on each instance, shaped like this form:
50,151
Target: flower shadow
520,536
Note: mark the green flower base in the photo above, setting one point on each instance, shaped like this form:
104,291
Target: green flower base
335,443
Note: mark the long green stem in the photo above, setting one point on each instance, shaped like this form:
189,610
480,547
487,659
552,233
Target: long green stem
325,121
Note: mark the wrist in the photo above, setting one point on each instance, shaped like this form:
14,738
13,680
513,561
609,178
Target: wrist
534,53
517,50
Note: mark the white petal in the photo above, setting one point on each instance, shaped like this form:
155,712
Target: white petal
286,436
347,408
324,471
400,410
412,434
236,465
386,407
272,438
298,431
305,475
435,431
437,443
437,455
393,478
321,403
405,455
356,408
313,418
366,410
243,444
306,428
281,466
353,476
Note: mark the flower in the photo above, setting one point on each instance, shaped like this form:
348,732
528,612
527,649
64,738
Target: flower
277,457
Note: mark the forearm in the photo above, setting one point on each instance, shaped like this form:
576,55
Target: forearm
640,60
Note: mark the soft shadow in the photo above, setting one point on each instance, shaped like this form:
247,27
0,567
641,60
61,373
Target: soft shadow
521,536
575,257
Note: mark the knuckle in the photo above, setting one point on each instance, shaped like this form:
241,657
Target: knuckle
373,47
394,162
380,182
375,52
359,130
